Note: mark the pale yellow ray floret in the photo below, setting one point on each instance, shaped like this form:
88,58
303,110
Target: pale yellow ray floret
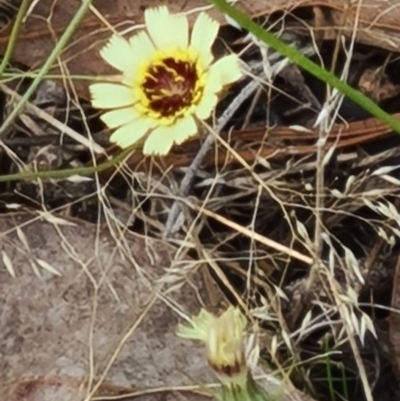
168,81
166,29
110,96
161,137
204,32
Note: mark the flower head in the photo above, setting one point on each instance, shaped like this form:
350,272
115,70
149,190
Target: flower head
223,336
168,81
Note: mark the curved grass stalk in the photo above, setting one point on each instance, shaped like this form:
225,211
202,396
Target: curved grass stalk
68,172
298,58
246,23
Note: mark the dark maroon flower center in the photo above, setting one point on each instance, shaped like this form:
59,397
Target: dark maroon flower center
170,86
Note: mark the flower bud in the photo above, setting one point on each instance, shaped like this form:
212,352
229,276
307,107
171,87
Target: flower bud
224,340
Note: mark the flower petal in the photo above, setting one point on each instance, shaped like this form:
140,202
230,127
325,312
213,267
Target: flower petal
200,327
206,105
160,141
116,118
166,29
184,129
225,71
131,133
118,53
110,96
204,33
141,45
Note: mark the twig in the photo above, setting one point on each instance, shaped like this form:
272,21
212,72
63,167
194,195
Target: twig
190,174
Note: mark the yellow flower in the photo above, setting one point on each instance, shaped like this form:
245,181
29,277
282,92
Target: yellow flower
223,337
168,82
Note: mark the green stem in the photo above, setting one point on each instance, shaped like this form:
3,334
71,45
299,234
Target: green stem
305,63
48,64
33,74
67,172
251,391
14,35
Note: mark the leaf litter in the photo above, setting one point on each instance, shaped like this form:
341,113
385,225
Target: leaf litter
254,197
